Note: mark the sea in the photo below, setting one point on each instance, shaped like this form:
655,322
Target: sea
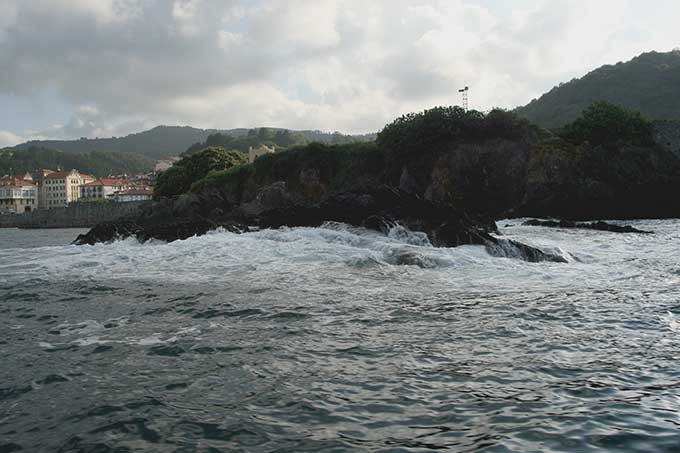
324,340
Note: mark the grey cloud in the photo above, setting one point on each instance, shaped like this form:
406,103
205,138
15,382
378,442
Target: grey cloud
333,64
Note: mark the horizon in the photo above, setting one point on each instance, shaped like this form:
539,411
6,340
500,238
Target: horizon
327,66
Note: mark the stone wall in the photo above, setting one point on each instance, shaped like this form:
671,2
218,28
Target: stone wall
77,215
667,134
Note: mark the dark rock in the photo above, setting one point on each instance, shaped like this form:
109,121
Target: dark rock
380,209
599,225
144,231
513,249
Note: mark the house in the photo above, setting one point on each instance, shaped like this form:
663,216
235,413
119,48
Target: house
134,194
39,179
17,195
254,153
63,187
103,188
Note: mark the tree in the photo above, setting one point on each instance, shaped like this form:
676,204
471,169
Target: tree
179,178
416,132
604,124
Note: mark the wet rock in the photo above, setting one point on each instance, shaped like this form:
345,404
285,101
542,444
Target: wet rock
146,230
381,209
599,225
513,249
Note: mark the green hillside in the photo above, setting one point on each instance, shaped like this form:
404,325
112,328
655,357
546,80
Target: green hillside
166,141
97,163
156,143
242,139
649,83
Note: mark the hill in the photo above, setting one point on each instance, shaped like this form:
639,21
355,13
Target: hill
97,163
156,143
242,139
165,141
649,83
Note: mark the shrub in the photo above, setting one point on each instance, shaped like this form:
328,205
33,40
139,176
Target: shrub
415,132
604,124
179,178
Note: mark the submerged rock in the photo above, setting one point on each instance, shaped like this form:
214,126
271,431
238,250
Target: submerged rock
600,225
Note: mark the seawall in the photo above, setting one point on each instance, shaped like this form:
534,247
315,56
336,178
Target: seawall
77,215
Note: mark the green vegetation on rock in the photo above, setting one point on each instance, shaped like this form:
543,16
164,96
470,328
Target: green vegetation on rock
188,170
606,124
283,139
310,169
415,133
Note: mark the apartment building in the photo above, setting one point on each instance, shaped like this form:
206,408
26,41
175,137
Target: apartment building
39,179
63,187
103,188
134,194
17,195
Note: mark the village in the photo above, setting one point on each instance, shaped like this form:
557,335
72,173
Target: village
46,189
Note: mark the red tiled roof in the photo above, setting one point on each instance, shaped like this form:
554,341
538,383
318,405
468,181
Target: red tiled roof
64,174
107,182
135,192
58,175
15,182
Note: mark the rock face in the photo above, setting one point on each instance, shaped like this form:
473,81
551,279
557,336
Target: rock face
487,177
585,182
600,226
667,134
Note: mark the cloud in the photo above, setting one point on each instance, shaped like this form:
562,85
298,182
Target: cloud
345,65
9,139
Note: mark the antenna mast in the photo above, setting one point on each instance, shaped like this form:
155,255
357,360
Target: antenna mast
464,92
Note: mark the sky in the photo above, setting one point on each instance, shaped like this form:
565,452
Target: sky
101,68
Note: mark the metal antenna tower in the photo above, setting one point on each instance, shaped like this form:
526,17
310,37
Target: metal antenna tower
464,92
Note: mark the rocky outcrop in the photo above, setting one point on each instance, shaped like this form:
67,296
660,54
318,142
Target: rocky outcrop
451,190
144,231
380,209
600,226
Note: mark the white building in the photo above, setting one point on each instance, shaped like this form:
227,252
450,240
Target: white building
103,188
39,180
63,187
135,194
17,196
254,153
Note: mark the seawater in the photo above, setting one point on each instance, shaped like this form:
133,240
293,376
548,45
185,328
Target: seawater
321,339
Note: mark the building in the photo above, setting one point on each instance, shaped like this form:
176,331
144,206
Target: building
134,194
103,188
63,187
17,196
254,153
39,178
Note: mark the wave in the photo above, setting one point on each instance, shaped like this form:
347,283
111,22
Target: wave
303,253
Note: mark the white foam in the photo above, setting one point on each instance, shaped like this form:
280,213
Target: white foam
312,255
